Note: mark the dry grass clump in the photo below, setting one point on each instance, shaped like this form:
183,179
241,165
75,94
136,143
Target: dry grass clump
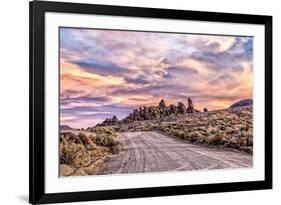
83,153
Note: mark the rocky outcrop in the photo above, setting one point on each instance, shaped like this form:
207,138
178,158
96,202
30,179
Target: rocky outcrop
173,109
190,108
205,109
152,113
160,111
181,108
109,121
162,104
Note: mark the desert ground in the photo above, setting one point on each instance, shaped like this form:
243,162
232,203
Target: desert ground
159,140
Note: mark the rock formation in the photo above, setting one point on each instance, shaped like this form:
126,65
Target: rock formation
205,109
190,108
173,109
181,108
109,121
162,104
152,113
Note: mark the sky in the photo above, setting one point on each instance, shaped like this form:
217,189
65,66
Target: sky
108,72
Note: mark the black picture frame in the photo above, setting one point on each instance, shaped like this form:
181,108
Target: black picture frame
37,194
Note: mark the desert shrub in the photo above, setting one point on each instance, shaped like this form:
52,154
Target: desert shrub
81,158
246,137
194,136
243,133
249,140
88,143
167,130
178,133
70,136
214,132
104,136
68,152
249,137
242,141
232,132
66,170
201,139
79,172
67,149
77,155
105,140
115,149
218,139
80,150
147,127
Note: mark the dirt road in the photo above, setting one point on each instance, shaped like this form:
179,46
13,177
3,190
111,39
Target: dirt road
155,152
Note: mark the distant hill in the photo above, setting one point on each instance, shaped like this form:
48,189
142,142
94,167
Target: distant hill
66,127
242,103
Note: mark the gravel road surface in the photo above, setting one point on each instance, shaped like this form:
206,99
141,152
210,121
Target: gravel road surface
156,152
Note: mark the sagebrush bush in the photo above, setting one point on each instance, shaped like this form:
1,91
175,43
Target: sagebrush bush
104,136
105,140
219,139
82,150
249,137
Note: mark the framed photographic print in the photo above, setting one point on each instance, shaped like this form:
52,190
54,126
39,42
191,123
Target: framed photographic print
140,102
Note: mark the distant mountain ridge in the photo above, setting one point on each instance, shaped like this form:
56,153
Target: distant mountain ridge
66,127
242,103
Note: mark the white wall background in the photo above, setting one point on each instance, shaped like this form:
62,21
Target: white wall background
14,100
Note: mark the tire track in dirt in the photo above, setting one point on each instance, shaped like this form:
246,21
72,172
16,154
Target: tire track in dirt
156,152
